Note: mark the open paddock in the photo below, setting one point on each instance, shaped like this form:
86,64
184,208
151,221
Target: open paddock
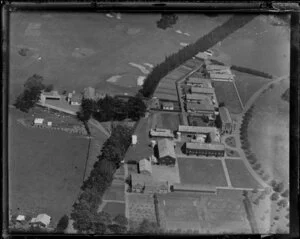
114,208
166,120
227,94
201,171
239,175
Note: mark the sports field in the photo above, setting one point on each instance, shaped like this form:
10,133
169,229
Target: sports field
239,174
75,50
46,169
201,171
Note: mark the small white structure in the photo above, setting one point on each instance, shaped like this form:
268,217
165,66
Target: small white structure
178,135
49,124
140,80
38,121
20,218
153,143
134,139
41,219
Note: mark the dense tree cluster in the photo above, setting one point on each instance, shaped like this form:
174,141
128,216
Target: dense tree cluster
167,20
85,216
173,61
251,71
62,224
31,94
112,108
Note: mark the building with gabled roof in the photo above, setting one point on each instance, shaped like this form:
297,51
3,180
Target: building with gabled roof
205,149
163,133
42,220
145,167
166,152
226,121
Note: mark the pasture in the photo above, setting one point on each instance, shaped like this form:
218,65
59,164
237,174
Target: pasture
46,169
201,171
248,84
226,93
75,50
239,175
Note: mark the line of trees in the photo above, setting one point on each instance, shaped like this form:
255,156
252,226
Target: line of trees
112,108
173,61
31,94
84,213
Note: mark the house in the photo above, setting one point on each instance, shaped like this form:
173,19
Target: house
167,106
207,189
89,93
49,124
41,220
166,152
226,121
163,133
145,167
202,149
75,99
52,95
38,121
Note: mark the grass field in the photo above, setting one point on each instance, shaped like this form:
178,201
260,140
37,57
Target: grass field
226,93
248,84
268,132
239,174
46,169
94,47
114,208
114,192
201,171
166,120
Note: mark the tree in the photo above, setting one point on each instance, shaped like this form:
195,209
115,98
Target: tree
282,203
285,193
279,187
222,104
147,227
100,228
62,224
35,81
121,220
274,196
117,229
136,108
49,88
166,21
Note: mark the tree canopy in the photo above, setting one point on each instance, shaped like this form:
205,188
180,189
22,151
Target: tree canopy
167,20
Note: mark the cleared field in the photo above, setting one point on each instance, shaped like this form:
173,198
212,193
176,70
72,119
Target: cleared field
201,171
248,84
94,47
226,93
46,169
166,120
239,174
140,206
114,208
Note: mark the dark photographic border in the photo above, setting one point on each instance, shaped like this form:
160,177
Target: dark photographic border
182,7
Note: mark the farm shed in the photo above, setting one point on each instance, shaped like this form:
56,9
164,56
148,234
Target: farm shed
166,152
167,106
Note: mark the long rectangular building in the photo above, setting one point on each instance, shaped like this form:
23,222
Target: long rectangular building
203,149
196,129
202,90
203,82
203,107
196,97
217,67
215,76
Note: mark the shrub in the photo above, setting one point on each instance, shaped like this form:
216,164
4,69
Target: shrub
257,166
285,193
62,224
274,196
282,203
276,218
279,187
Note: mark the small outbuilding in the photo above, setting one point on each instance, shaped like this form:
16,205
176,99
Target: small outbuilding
41,220
38,121
167,106
145,167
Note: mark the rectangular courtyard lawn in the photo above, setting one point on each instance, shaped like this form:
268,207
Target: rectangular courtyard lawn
201,171
239,175
227,94
46,169
166,120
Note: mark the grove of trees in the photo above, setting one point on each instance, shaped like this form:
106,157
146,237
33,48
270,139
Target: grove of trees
167,20
84,213
31,94
112,108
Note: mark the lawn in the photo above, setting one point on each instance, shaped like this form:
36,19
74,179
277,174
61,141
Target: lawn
114,192
166,120
201,171
94,47
227,94
239,175
248,84
46,169
114,208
